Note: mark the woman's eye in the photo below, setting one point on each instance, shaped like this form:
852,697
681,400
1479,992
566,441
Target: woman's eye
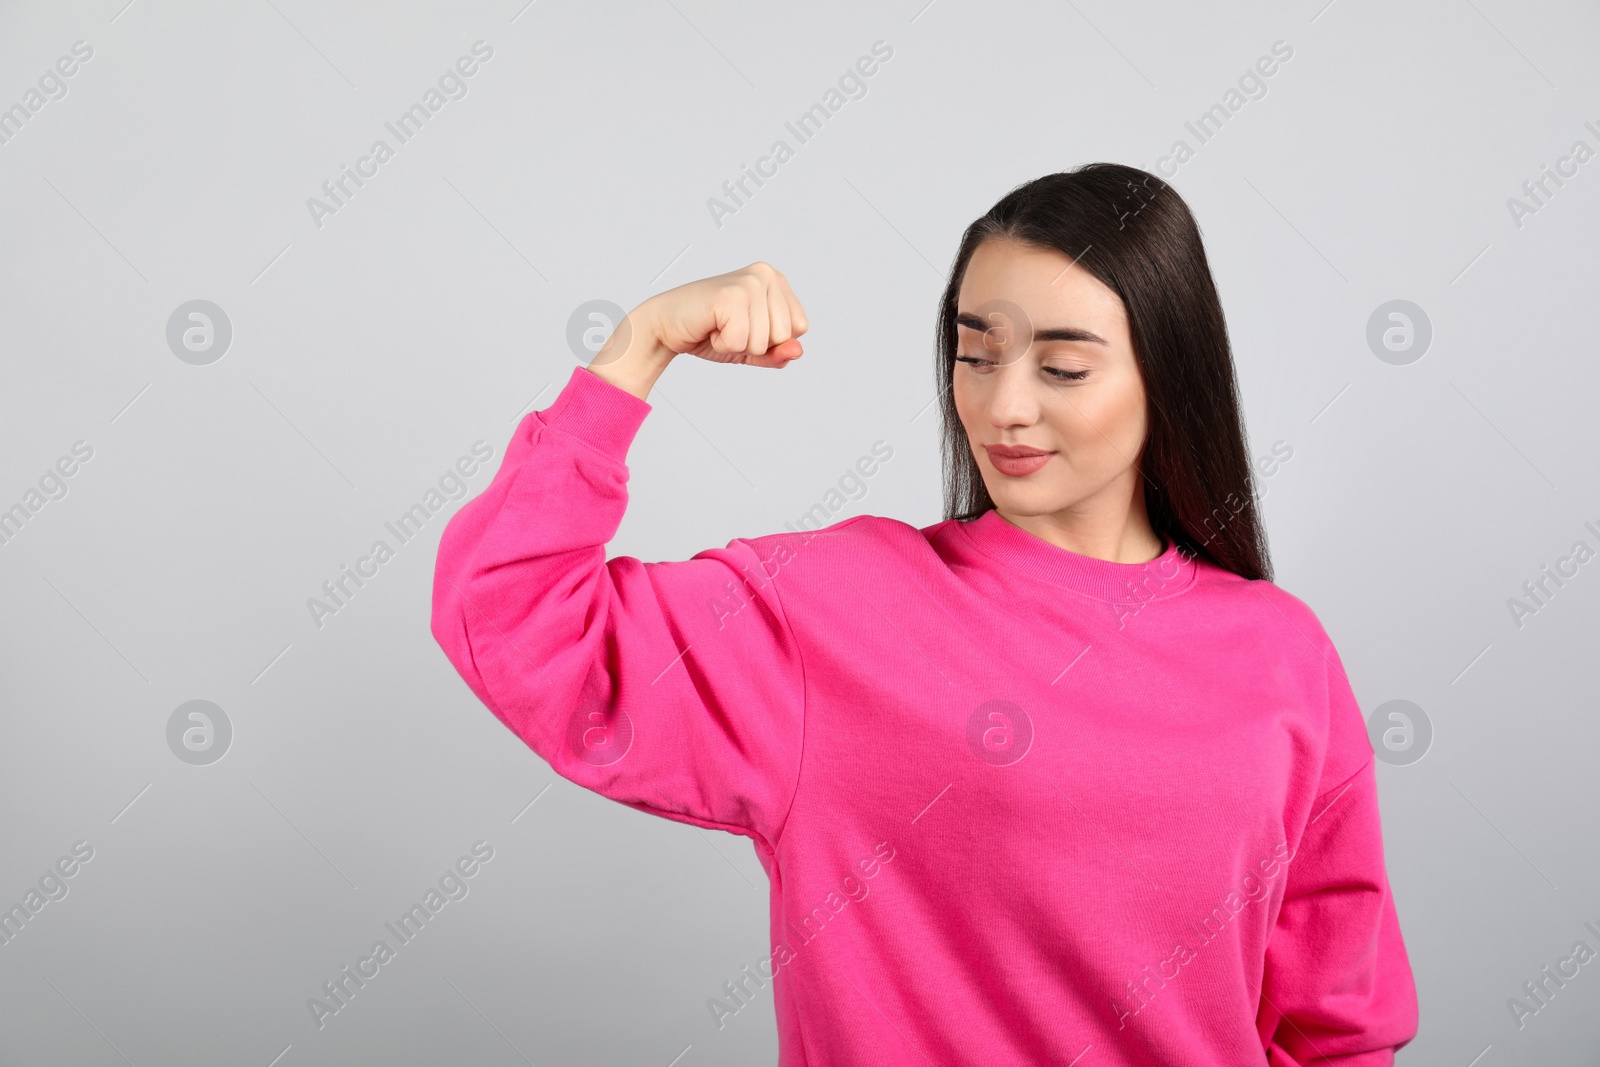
982,366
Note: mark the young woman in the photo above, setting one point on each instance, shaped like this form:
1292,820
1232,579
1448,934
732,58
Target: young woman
1062,779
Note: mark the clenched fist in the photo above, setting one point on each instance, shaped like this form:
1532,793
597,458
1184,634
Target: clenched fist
748,316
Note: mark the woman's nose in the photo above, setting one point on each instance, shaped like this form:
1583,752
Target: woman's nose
1011,399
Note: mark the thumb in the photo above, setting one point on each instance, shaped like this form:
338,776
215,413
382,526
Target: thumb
779,355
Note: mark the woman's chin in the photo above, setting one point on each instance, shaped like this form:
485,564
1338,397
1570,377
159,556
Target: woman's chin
1021,496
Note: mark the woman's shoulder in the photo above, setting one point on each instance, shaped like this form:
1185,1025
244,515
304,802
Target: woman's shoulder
1271,607
859,537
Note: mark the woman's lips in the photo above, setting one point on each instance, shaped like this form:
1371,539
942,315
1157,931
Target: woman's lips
1017,460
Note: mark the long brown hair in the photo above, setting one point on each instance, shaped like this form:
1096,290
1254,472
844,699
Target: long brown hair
1132,231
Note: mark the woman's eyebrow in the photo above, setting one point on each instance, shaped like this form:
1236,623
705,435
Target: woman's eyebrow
1057,333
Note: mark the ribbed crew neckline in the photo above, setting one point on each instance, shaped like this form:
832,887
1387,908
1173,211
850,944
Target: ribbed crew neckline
1018,550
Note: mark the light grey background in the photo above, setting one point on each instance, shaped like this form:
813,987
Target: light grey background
369,353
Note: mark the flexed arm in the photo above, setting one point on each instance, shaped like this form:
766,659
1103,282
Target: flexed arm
623,675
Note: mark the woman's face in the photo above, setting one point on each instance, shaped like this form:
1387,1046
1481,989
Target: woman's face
1046,384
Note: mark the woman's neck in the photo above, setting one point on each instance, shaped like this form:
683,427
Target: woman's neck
1117,529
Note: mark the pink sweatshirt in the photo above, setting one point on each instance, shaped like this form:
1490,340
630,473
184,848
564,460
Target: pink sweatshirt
1017,805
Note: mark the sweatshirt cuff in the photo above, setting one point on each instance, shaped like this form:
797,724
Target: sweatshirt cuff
600,413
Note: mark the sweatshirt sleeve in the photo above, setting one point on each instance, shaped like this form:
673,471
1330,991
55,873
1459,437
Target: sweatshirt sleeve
674,688
1337,987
